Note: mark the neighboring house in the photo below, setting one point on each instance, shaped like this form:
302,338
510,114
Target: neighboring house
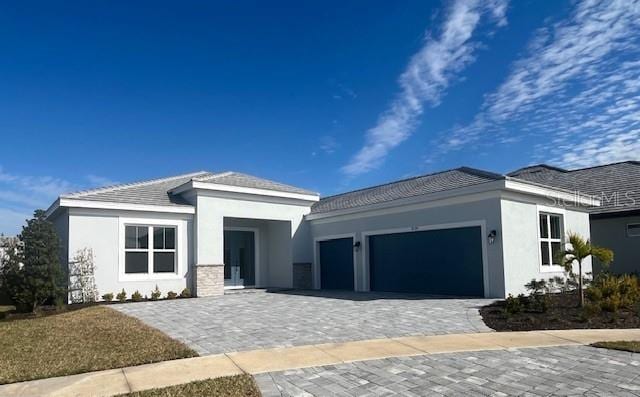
615,224
459,232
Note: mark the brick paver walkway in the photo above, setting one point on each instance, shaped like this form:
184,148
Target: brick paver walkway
545,371
247,321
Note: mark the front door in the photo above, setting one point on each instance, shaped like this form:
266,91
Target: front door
239,258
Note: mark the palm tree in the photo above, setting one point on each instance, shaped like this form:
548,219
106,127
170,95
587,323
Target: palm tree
578,250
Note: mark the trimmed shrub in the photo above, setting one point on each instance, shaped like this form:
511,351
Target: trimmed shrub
122,296
136,296
171,295
107,297
156,294
186,293
513,305
612,292
590,310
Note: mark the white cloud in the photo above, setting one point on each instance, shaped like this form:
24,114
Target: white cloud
11,221
328,144
425,79
576,91
100,181
20,195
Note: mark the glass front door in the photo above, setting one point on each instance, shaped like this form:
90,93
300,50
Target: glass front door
239,258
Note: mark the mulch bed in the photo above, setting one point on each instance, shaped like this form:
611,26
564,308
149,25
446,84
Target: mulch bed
563,313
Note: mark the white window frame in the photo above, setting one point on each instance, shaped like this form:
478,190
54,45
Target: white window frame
150,275
553,267
627,227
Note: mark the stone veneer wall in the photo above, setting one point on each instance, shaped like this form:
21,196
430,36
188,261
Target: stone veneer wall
209,280
302,276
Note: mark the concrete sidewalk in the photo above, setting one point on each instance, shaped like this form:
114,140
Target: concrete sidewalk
168,373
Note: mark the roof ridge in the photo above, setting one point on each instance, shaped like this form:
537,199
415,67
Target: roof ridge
543,165
126,185
468,170
219,174
633,162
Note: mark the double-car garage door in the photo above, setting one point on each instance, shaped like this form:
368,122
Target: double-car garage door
443,262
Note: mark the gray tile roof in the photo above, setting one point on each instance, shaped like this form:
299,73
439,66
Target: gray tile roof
157,191
151,192
244,180
421,185
616,185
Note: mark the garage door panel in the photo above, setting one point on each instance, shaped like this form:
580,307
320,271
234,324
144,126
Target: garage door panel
336,264
447,262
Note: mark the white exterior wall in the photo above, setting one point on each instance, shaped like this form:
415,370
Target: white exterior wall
213,207
103,232
520,235
484,212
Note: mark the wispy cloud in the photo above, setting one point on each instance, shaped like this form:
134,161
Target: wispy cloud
100,181
20,195
576,91
427,76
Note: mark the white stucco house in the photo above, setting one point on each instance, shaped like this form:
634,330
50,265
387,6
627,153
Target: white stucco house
462,232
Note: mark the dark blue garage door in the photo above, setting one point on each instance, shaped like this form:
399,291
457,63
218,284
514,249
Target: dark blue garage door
336,264
443,262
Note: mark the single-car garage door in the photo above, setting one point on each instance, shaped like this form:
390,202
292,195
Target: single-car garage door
443,262
336,264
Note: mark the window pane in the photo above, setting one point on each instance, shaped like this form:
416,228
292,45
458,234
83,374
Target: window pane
169,238
143,237
544,230
555,250
544,251
633,230
136,262
163,262
130,237
555,226
158,238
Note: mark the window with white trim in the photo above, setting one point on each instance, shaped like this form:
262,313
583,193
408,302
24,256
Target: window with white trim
633,230
551,227
149,249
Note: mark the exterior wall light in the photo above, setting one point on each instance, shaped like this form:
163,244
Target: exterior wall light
492,236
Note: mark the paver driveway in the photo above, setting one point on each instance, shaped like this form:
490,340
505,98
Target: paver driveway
548,371
247,321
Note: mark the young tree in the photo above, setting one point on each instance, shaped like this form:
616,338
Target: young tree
577,252
31,274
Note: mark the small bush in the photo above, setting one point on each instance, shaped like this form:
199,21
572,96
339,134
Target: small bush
136,296
156,294
590,310
122,296
186,293
513,305
108,297
171,295
612,292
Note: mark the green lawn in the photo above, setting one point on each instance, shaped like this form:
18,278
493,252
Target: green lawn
629,346
231,386
90,339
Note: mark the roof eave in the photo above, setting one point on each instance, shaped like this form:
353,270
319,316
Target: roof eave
312,198
90,204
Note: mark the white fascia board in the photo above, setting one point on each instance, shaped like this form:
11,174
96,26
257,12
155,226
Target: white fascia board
248,190
73,203
558,195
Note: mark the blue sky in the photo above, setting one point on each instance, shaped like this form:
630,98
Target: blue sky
329,96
